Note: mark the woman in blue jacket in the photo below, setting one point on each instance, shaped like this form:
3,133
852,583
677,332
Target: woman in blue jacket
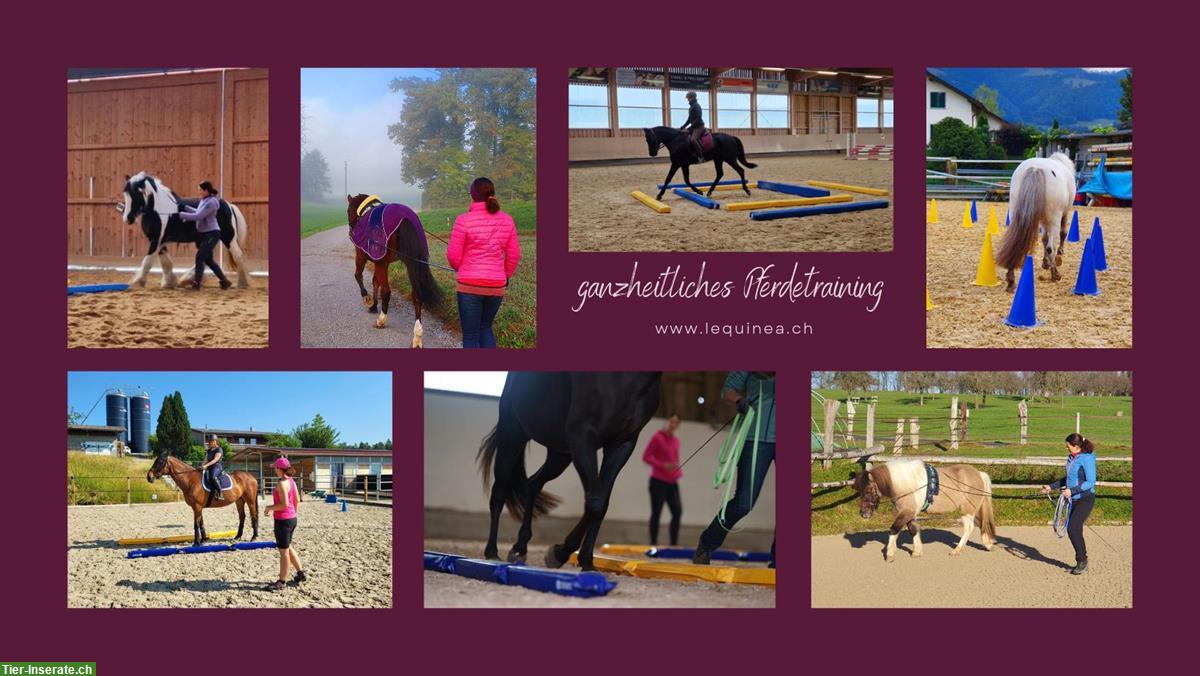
1079,486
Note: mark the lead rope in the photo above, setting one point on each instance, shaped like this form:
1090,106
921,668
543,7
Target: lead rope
731,454
1062,515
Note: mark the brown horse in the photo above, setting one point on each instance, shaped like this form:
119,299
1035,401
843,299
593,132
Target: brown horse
406,244
960,488
244,492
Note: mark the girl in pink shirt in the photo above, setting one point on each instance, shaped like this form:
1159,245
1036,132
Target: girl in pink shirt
662,454
284,510
484,251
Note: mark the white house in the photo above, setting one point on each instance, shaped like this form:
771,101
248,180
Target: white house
943,100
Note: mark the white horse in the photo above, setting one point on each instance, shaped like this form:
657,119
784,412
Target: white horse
960,488
1042,192
159,207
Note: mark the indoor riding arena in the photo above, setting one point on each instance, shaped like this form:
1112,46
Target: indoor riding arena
348,556
182,127
460,411
798,125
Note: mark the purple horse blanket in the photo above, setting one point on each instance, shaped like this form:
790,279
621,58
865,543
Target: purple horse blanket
373,229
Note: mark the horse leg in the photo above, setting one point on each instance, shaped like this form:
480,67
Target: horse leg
742,175
596,497
139,277
555,559
1009,278
241,508
915,530
506,462
967,522
168,269
556,462
252,503
360,261
720,172
417,330
1062,237
383,292
904,518
197,512
687,179
667,181
239,256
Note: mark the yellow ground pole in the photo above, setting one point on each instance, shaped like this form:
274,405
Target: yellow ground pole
849,188
223,535
683,572
797,202
651,202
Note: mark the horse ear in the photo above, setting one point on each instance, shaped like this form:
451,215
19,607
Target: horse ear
126,177
349,198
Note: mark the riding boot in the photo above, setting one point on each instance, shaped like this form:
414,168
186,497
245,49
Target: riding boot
211,496
1079,568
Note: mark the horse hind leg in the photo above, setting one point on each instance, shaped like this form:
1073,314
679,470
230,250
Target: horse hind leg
915,530
967,521
368,301
241,510
383,292
239,257
555,463
720,167
418,331
169,280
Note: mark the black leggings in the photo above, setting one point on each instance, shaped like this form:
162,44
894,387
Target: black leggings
660,492
1081,509
204,255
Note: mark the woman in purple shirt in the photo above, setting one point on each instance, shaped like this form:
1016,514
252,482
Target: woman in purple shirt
208,233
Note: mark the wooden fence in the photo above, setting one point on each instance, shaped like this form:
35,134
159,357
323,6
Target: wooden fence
181,127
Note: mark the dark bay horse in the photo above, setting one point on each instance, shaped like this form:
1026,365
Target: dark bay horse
573,415
407,243
159,207
727,149
244,493
959,488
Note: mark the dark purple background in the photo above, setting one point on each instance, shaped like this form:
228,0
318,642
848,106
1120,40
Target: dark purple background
42,43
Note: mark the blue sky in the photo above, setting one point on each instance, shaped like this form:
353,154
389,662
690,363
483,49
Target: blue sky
357,404
347,113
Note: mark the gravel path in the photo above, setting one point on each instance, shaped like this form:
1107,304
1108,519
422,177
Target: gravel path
331,314
347,555
443,590
1028,569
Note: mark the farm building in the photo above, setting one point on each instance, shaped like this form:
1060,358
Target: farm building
78,435
773,110
235,438
943,100
340,470
183,127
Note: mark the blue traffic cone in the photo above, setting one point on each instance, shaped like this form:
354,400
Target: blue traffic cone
974,213
344,505
1006,219
1024,309
1073,233
1098,255
1085,283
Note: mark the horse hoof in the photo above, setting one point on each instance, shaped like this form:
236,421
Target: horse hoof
516,557
917,554
890,558
954,552
552,558
381,322
492,555
368,302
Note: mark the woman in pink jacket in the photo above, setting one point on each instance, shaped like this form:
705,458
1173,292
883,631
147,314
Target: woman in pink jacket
484,251
662,454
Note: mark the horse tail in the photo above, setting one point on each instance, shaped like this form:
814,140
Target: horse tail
1023,231
239,231
742,155
987,517
415,249
505,434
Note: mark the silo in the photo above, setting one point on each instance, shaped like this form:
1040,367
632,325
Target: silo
139,423
116,409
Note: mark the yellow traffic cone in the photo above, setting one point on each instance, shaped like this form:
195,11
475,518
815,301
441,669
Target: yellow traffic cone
928,302
993,224
966,222
932,217
985,274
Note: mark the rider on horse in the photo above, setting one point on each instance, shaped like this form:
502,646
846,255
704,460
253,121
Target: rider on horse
213,468
695,125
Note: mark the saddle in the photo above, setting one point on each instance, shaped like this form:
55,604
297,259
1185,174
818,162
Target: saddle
932,485
225,481
374,228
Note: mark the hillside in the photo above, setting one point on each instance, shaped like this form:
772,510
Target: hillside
1078,98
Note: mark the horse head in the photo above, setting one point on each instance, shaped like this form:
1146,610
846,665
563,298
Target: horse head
652,142
868,493
138,195
160,467
354,205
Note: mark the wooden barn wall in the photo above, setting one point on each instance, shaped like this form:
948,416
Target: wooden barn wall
173,127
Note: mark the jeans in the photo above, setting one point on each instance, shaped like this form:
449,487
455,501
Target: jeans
204,255
476,313
660,492
743,497
1081,509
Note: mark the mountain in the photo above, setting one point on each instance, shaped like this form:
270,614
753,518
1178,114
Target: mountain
1080,99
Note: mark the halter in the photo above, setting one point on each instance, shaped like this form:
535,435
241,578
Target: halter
367,203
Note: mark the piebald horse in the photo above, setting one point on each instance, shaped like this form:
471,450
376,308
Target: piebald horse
1043,190
243,493
573,415
961,488
159,207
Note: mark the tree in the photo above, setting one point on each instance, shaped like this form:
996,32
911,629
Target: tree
314,176
316,434
953,138
280,440
990,98
1015,140
173,432
466,123
1125,114
853,381
73,417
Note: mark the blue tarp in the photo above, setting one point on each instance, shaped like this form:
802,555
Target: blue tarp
1119,185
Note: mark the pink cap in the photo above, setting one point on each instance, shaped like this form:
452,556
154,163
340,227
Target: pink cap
282,463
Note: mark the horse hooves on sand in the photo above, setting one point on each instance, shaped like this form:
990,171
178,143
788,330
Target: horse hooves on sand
552,558
955,552
516,557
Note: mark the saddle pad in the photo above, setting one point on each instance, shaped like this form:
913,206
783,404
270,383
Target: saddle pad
932,485
373,229
224,479
706,141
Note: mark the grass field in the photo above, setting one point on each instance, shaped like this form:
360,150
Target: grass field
516,324
993,432
105,480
